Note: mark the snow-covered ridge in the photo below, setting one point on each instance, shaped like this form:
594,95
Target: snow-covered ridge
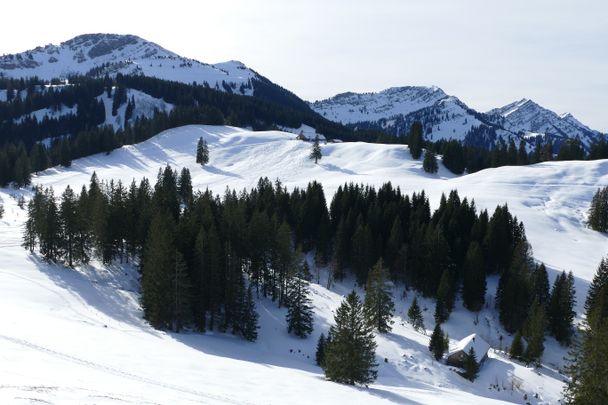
98,54
349,108
525,116
447,117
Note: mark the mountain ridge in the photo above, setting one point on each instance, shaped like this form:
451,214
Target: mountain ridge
447,117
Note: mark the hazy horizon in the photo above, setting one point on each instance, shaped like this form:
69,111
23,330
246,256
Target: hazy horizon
488,55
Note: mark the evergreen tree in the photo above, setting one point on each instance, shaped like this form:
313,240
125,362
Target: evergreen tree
202,152
22,170
445,298
598,211
299,308
534,332
249,318
471,367
158,269
517,347
560,309
69,224
416,140
429,163
437,344
320,352
350,356
184,186
414,314
541,284
50,229
315,153
362,251
597,296
474,280
181,294
588,365
378,304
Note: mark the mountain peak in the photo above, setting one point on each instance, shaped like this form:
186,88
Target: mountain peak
98,54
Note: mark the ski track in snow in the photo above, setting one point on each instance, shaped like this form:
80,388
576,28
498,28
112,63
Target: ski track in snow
117,372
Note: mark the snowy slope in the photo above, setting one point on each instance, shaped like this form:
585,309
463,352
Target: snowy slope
128,54
54,316
525,117
145,107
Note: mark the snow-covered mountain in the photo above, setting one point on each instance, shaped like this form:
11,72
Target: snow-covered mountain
528,118
99,54
53,315
350,108
446,117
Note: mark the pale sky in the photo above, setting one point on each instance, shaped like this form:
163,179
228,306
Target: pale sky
487,53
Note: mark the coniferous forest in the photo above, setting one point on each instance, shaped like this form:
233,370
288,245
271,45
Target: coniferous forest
204,259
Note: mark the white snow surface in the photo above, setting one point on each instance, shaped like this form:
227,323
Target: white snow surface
127,54
77,336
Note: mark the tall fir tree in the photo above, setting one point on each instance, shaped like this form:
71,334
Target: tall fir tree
181,291
445,297
560,309
315,153
588,365
597,216
202,152
249,317
414,315
350,356
416,140
69,223
474,279
320,352
158,268
534,332
470,366
378,304
437,344
429,163
516,351
299,309
596,304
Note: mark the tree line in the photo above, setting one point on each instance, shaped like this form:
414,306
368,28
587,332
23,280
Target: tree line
212,251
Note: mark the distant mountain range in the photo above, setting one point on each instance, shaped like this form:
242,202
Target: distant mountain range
392,110
446,117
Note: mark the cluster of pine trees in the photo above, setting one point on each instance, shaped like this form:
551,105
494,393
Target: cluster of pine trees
589,362
460,156
202,259
598,211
